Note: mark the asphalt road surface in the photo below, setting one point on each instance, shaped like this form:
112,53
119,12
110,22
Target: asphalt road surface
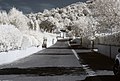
56,63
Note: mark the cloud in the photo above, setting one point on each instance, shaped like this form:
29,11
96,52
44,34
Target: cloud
6,6
0,8
34,5
43,6
26,9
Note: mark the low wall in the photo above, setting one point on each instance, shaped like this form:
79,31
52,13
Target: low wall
108,50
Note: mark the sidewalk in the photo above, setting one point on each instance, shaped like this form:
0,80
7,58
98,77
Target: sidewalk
100,64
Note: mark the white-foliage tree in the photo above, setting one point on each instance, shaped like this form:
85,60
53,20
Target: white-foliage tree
10,37
63,17
107,14
18,19
4,19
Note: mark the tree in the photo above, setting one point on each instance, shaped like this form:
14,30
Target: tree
18,19
106,12
4,19
47,26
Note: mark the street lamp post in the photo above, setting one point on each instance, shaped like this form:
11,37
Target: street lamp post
110,44
92,42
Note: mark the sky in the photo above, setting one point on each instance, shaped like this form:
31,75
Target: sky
28,6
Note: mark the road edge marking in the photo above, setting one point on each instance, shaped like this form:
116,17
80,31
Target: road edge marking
87,69
74,52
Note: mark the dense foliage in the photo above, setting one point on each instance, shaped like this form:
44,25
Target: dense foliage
97,20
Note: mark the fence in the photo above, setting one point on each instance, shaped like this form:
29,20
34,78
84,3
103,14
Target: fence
107,45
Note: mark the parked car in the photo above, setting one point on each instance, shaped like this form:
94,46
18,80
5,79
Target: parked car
72,41
116,67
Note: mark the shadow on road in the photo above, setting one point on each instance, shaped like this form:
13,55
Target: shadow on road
43,71
102,78
97,61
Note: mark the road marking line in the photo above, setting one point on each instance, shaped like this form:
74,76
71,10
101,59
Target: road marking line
87,69
76,55
74,52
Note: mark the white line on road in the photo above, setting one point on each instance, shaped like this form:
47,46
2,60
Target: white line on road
87,69
75,54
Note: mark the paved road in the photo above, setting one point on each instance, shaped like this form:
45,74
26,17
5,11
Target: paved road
56,63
